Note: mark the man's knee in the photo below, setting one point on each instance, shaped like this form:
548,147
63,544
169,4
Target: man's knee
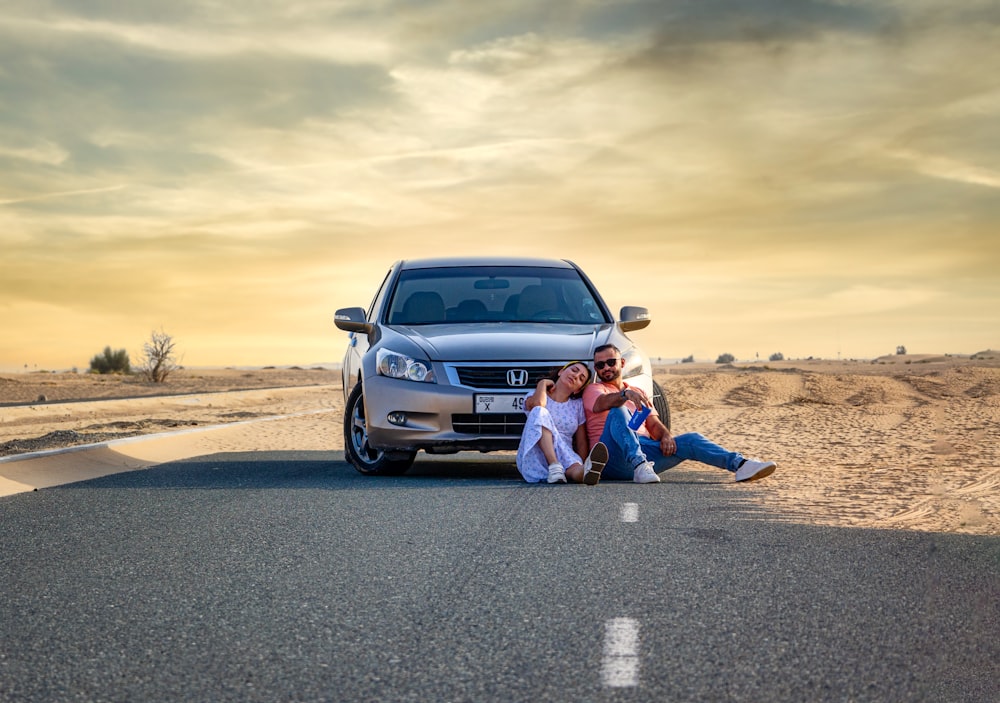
689,437
620,412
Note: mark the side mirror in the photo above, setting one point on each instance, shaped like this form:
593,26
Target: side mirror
634,318
352,320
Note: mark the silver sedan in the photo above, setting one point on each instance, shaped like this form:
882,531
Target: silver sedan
444,355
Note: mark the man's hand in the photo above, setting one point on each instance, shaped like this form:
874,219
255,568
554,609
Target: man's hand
668,447
637,396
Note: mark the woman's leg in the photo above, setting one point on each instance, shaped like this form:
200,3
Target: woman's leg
531,462
557,472
547,446
575,473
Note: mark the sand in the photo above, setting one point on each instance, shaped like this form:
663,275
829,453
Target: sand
904,442
886,445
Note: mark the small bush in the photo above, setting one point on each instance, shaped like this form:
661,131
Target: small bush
688,359
111,362
777,356
726,358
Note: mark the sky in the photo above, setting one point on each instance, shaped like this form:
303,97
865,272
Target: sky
806,177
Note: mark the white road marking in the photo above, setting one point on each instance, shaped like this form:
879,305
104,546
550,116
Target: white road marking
630,512
620,667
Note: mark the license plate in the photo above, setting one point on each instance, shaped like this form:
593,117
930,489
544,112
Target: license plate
499,403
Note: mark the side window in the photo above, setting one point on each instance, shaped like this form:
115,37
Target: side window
377,300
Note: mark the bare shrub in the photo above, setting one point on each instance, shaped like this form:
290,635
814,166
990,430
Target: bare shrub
158,360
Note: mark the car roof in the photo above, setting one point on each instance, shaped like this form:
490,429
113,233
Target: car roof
456,261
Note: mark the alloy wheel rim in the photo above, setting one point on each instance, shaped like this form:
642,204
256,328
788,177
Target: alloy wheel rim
359,435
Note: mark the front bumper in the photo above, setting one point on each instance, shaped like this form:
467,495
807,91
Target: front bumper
429,411
440,418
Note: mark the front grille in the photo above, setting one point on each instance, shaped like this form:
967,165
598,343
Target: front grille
495,377
510,424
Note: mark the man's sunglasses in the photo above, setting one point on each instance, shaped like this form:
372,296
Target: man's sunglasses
610,363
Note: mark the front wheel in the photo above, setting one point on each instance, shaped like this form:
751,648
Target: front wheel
660,404
363,456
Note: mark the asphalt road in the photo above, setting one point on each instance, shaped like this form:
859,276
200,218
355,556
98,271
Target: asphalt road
289,577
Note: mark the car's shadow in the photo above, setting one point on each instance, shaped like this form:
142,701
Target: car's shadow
303,470
328,470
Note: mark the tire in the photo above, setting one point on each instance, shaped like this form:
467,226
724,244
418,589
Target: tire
364,458
661,405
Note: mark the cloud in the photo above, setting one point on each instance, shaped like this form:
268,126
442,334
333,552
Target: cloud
157,104
63,194
43,152
951,169
861,299
195,30
93,86
244,161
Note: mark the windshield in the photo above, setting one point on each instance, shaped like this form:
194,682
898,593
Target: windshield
493,294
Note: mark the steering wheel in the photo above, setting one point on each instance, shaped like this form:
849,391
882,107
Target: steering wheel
549,316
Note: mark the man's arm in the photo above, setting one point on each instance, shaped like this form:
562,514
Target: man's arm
606,401
658,431
616,400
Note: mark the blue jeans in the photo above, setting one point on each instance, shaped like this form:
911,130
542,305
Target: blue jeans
626,449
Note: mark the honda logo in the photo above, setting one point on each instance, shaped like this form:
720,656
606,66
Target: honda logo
517,377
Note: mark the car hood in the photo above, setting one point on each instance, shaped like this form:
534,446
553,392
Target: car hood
507,341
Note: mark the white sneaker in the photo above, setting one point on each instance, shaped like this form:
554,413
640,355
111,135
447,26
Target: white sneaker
644,474
557,474
594,464
754,469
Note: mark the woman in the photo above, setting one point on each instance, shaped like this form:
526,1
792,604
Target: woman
555,434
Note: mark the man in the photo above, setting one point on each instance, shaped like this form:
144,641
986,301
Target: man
609,402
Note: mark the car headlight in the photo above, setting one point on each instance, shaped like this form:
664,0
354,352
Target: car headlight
394,365
631,363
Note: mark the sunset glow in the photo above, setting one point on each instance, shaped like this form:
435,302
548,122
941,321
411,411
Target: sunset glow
817,178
